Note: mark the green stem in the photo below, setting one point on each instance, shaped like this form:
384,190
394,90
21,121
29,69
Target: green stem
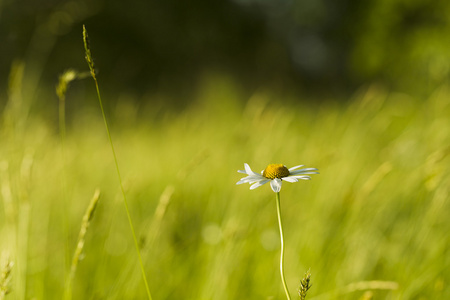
136,244
61,89
62,135
282,248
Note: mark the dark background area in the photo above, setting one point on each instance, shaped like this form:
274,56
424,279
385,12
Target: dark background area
322,48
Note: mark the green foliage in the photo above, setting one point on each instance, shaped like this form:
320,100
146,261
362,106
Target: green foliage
375,219
165,47
401,43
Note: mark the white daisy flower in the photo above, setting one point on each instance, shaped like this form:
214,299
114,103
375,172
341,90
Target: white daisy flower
275,174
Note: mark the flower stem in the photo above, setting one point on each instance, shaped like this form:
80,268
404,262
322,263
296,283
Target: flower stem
282,248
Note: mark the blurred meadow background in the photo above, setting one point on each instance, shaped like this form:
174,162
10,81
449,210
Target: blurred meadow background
192,91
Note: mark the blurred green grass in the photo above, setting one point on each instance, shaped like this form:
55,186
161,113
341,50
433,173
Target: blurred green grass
378,210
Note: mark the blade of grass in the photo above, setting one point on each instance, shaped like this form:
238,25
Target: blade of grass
61,89
80,244
92,70
63,84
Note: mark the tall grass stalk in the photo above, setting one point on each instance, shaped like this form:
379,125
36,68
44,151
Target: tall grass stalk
61,89
15,177
80,244
92,70
63,84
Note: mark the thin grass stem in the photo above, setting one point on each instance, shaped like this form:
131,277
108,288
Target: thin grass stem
92,69
61,89
80,244
63,84
282,248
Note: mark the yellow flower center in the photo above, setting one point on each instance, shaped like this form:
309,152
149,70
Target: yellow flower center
276,171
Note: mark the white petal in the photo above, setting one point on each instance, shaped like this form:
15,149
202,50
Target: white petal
243,180
258,184
256,177
275,184
303,177
290,179
296,167
249,170
242,171
305,171
246,178
250,179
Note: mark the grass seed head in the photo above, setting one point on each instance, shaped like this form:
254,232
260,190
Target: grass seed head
305,285
5,276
